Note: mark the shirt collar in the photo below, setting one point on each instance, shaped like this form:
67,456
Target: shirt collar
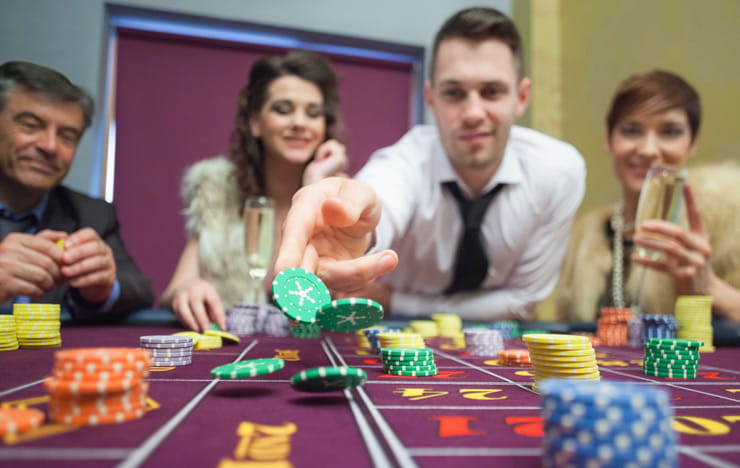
509,172
37,211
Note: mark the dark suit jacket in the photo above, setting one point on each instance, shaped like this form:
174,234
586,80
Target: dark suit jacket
70,211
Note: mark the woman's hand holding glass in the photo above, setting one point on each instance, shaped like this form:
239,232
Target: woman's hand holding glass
682,253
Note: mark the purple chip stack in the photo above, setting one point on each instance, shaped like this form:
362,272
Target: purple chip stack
250,319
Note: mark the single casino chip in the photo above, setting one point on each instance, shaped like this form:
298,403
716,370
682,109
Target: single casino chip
406,353
350,314
164,339
71,418
194,335
225,336
673,343
414,373
81,387
328,379
101,356
18,420
426,368
299,294
251,368
554,339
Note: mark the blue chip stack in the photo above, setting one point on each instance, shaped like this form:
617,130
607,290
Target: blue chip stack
607,424
659,326
372,336
508,328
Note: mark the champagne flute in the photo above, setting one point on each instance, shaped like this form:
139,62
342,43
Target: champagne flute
259,239
661,198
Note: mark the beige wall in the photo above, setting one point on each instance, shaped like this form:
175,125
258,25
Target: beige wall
601,42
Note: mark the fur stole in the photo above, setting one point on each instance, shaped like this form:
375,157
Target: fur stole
213,216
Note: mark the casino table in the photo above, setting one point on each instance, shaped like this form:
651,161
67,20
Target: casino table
475,412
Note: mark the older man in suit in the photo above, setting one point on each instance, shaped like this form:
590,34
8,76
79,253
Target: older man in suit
56,245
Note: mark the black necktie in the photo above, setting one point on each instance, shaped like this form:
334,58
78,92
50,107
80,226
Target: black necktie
471,263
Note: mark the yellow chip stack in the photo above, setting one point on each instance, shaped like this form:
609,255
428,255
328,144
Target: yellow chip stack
568,357
449,325
8,338
400,340
425,328
37,325
209,342
694,317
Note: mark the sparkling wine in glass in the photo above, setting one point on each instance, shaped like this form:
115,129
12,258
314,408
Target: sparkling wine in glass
259,239
661,197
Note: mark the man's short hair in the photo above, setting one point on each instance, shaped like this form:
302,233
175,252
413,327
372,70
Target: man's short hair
480,24
45,81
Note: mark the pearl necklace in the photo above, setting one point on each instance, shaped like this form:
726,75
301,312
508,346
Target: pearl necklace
618,226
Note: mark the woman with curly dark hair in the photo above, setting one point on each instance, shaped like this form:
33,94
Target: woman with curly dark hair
282,141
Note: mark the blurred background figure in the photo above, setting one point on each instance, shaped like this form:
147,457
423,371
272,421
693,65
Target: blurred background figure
282,141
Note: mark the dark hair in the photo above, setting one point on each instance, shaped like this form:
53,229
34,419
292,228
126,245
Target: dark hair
651,92
45,81
246,151
480,24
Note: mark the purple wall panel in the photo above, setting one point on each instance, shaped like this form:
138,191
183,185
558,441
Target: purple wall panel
175,104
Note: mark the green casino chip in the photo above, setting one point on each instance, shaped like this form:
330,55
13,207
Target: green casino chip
416,354
350,314
674,343
410,362
299,294
328,379
414,373
251,368
431,367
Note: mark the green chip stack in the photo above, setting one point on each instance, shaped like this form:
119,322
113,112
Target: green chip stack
671,358
306,330
38,325
694,317
409,362
8,338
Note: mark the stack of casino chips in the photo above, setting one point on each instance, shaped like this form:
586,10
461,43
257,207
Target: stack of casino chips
658,326
250,319
372,336
425,328
508,328
409,362
389,339
207,341
92,386
636,331
306,330
671,358
448,325
482,341
361,335
169,350
694,318
561,357
38,325
607,424
612,327
8,337
514,357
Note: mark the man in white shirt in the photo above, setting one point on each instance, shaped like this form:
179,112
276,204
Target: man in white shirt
427,185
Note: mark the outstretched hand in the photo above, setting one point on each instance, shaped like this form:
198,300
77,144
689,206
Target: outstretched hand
327,231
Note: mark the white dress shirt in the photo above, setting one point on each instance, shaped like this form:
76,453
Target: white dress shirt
525,229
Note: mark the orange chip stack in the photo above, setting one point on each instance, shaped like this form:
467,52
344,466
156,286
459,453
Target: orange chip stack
612,328
92,386
514,357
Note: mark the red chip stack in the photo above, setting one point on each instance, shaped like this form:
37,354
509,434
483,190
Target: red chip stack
612,328
93,386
